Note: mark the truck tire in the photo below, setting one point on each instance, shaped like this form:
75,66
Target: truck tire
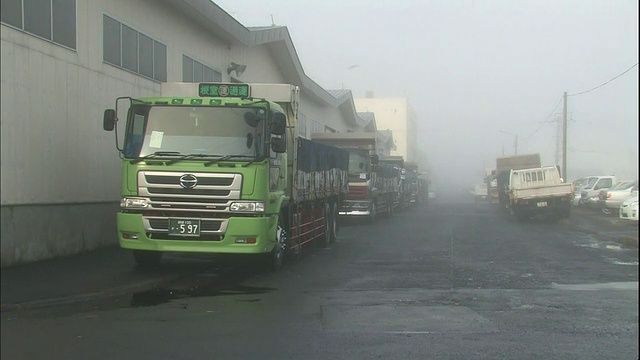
334,226
147,259
275,257
325,239
372,216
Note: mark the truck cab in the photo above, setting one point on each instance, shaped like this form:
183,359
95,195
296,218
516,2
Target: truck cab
370,192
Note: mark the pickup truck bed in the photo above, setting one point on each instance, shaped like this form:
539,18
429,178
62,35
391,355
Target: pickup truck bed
539,191
559,190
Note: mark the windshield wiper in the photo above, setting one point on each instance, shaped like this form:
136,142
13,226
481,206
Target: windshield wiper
155,154
227,157
189,156
256,100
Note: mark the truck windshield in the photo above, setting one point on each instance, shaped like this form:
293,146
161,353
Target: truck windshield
195,130
358,165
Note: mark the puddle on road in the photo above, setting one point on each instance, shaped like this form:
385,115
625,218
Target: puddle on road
207,282
627,285
596,242
159,296
224,280
631,263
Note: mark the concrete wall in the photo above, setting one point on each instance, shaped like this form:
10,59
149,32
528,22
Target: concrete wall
35,232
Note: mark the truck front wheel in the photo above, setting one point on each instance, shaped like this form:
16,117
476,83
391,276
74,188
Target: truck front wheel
275,257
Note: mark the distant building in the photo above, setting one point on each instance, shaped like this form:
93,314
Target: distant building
396,115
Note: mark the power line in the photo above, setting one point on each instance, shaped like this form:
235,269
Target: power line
605,83
545,120
576,94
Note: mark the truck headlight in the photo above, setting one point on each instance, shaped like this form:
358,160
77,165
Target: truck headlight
134,203
247,206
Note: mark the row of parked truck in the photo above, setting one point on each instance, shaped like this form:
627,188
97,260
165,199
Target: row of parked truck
219,168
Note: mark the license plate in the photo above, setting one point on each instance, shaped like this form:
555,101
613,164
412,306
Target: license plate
542,204
184,227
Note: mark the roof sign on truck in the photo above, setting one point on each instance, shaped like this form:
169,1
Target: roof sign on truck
223,90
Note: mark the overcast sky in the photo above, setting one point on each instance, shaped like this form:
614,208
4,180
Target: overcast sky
473,70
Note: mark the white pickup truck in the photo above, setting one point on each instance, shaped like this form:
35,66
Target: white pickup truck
540,190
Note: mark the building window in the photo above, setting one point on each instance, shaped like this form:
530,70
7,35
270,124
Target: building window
195,71
54,20
130,49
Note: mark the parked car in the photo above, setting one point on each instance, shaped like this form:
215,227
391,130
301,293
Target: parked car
579,184
589,193
629,209
610,200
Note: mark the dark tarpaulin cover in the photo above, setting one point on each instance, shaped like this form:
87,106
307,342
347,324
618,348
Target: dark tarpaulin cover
388,170
321,170
314,156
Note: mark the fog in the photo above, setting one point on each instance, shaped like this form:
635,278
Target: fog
478,74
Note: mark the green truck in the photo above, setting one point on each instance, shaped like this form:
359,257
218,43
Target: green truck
218,168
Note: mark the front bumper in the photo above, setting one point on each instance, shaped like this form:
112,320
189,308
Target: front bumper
542,204
629,213
237,228
355,208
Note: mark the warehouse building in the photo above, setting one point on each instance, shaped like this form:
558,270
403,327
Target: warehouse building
65,61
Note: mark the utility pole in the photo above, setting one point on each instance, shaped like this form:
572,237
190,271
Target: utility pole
558,130
564,138
516,146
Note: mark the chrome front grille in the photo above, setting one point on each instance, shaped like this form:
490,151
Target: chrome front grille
213,192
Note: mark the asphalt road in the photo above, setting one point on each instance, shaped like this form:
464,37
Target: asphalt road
453,280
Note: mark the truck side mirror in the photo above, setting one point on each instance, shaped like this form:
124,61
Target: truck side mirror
278,145
374,159
109,120
278,124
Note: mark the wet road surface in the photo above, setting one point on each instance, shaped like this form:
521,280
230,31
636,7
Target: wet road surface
449,280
